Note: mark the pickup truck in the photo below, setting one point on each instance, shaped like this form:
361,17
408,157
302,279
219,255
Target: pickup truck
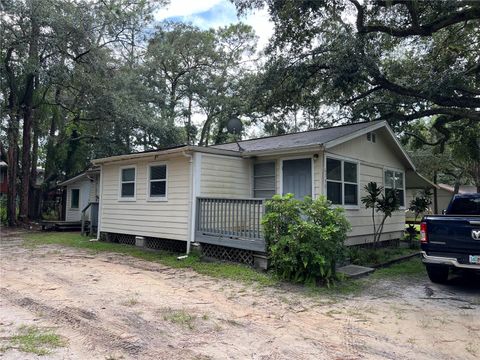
452,240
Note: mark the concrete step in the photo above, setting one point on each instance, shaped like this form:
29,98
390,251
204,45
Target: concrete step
355,271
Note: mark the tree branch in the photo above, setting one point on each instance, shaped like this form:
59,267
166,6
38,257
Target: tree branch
471,13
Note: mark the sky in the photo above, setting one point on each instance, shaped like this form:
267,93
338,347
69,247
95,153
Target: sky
214,13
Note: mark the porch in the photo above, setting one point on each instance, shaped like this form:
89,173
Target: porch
234,223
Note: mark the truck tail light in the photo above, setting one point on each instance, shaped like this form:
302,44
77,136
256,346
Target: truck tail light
423,233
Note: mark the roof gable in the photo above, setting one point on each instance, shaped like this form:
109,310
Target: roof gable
327,138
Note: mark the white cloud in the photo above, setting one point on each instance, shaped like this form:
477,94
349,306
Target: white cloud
222,13
260,22
185,8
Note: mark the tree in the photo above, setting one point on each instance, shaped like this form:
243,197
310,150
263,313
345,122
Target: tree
47,48
456,161
385,204
394,60
191,70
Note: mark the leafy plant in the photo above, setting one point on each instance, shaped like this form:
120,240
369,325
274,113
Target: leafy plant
304,238
418,206
385,204
3,211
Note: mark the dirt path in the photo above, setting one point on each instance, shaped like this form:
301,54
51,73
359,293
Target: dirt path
110,306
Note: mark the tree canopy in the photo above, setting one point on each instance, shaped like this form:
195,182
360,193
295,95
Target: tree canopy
82,79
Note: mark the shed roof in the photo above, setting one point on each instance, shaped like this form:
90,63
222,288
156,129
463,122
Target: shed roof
464,189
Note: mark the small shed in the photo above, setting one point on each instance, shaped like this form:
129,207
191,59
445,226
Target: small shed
80,191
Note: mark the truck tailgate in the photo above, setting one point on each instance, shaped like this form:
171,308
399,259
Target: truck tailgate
453,234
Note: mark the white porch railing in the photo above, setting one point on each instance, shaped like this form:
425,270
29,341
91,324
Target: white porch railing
230,222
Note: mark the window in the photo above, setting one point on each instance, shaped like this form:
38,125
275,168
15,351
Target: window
127,183
74,198
158,181
342,182
394,182
464,206
264,180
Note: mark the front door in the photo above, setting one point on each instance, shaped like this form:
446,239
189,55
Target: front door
297,177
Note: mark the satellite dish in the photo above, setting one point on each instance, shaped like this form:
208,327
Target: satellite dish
234,126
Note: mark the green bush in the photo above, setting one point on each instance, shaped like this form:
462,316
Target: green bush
304,238
3,211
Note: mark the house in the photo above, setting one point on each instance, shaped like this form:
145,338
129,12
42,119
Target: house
441,195
80,191
215,195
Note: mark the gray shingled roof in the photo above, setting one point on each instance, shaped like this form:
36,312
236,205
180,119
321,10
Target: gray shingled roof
306,138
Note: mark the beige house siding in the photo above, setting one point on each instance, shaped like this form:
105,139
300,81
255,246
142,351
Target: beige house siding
225,176
94,188
444,198
163,219
373,158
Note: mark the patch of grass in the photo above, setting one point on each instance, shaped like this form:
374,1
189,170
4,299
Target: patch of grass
32,339
219,270
373,257
180,317
129,302
413,267
471,349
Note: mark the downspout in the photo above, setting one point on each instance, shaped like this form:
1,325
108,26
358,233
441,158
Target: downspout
192,204
100,202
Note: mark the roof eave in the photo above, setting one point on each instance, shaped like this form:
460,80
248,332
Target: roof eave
184,149
283,151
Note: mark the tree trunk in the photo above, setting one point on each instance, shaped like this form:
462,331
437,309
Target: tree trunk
34,198
189,123
50,168
456,187
12,139
26,149
203,136
27,107
12,155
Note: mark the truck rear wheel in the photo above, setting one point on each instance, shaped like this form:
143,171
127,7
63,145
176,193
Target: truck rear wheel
437,273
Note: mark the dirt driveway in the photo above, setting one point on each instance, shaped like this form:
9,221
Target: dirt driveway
109,306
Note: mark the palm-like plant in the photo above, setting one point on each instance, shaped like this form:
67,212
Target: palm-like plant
385,204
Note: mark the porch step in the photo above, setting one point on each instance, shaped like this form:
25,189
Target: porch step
355,271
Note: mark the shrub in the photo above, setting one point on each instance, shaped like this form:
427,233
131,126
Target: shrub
3,211
304,238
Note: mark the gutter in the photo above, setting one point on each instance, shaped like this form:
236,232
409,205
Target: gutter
179,150
284,151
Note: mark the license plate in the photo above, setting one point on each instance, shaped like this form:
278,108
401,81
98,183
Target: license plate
474,259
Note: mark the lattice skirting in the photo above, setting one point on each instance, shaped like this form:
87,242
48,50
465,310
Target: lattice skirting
118,238
150,242
166,244
227,253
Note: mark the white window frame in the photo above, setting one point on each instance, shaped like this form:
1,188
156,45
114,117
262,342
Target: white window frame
274,161
385,169
120,182
312,160
71,198
343,159
157,198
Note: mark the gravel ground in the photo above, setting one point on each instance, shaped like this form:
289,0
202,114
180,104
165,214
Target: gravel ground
108,306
